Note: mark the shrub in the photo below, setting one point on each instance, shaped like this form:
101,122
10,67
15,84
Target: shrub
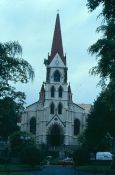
113,163
31,155
81,157
19,140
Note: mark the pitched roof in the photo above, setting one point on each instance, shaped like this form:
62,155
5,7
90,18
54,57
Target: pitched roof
87,107
57,46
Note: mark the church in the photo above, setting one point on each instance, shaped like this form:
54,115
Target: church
55,120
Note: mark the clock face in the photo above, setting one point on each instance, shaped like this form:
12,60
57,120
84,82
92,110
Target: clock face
56,62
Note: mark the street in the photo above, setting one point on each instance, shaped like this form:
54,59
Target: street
61,170
56,170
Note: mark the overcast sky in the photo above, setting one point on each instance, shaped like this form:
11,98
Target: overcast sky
31,22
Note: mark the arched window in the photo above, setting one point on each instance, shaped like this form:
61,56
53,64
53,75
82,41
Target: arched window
52,108
60,91
33,125
76,127
60,108
52,91
56,76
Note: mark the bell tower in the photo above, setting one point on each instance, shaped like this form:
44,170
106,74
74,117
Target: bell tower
57,55
56,87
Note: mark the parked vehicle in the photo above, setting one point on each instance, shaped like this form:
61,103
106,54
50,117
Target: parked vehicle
66,161
104,156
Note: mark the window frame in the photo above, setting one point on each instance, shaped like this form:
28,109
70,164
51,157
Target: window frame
76,127
60,90
57,76
60,107
52,90
32,130
52,108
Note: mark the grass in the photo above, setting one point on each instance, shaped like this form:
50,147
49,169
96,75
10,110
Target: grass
54,161
13,167
17,173
96,168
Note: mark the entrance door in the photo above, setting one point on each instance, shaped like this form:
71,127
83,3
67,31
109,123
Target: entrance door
55,136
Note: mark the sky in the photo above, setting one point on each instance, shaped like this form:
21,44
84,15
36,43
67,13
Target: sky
31,23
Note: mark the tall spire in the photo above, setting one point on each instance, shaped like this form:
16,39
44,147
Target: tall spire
57,46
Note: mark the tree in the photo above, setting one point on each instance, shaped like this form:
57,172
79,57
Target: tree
9,115
108,10
113,163
13,69
101,119
104,47
31,155
19,140
81,157
100,124
108,7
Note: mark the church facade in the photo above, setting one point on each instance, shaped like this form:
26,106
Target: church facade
55,119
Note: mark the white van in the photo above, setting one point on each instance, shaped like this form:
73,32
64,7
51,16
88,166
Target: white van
103,156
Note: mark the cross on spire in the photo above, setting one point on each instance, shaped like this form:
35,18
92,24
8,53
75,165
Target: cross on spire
57,10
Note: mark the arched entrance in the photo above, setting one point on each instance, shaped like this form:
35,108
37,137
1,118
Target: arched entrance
55,136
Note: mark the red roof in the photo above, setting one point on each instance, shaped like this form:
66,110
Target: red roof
57,46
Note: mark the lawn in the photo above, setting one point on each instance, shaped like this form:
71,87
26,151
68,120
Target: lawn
14,167
96,168
17,173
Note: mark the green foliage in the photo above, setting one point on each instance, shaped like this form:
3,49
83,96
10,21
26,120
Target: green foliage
113,163
98,169
19,140
31,155
9,116
104,50
13,68
106,142
100,125
81,157
104,47
93,4
108,10
17,173
83,140
101,119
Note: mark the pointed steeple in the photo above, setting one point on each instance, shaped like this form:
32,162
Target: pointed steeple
69,94
42,94
69,88
57,46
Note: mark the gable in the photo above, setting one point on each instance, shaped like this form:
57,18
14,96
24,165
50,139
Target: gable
57,62
77,108
33,107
